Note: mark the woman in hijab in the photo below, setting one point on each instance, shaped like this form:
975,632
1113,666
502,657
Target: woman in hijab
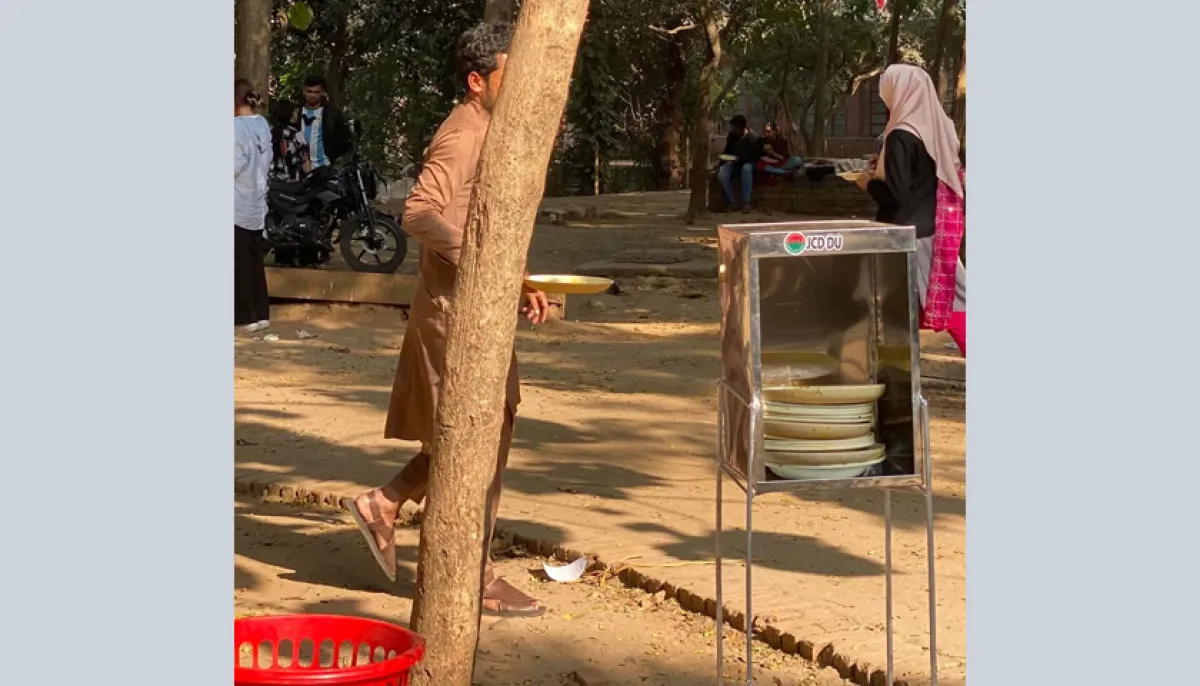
918,181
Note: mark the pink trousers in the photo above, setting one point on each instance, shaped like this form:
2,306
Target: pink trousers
958,331
957,328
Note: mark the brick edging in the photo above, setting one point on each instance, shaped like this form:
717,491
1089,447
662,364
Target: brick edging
856,671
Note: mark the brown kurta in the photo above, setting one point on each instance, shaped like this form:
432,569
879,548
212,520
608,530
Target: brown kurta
436,215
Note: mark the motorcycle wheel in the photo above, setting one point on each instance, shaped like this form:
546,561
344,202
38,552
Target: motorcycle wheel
380,250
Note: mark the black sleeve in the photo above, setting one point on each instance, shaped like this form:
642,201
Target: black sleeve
894,190
336,135
731,142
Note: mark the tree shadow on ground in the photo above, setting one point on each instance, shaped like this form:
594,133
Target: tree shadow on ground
342,559
322,548
358,350
540,658
282,453
783,552
908,507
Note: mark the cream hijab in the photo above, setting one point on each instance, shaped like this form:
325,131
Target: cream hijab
913,103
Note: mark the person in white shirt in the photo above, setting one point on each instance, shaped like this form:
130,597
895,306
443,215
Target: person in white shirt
251,168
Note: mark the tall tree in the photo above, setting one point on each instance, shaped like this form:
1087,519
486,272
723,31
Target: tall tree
252,43
897,8
938,56
702,128
499,10
821,77
480,333
668,159
958,109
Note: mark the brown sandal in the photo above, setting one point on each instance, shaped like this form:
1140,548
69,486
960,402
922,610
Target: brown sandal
386,555
502,599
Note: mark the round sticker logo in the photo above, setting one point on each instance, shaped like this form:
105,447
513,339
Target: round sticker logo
795,243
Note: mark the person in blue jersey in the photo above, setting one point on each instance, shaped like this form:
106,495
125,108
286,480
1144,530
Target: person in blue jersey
326,135
324,128
251,169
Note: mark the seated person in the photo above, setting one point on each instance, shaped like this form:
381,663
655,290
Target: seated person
737,129
747,148
777,158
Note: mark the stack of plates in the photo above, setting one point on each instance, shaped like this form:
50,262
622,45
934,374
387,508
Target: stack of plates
821,432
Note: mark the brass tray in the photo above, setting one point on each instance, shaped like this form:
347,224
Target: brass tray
569,284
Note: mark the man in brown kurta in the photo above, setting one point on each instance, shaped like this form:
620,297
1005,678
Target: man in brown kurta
436,214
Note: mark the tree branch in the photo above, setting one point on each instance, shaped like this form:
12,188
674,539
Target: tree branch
732,80
677,30
859,80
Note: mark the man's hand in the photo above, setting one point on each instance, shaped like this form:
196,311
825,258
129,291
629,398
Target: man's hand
864,178
537,307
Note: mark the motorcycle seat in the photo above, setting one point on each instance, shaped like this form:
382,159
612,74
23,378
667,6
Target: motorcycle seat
288,187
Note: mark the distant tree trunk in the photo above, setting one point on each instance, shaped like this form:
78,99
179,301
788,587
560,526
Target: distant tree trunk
480,333
958,110
669,165
936,62
898,7
702,127
252,44
335,78
821,80
499,10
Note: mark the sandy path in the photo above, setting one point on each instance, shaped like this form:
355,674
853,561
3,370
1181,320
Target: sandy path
614,445
295,560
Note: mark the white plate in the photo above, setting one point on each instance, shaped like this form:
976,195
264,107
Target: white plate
821,411
801,419
842,471
834,458
815,414
824,395
803,446
780,428
787,368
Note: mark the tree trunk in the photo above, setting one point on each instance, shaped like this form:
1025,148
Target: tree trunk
821,81
480,333
252,44
670,169
898,7
499,10
958,110
702,128
335,76
935,64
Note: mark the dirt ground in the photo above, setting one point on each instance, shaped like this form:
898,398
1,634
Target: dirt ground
613,454
607,636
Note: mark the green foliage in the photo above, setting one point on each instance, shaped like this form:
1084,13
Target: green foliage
390,63
300,16
783,52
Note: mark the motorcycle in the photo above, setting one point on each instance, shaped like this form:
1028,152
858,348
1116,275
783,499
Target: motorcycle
334,205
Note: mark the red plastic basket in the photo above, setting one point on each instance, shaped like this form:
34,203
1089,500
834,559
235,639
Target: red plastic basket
294,650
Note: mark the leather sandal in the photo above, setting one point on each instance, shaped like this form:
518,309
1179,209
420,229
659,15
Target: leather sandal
386,555
502,599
